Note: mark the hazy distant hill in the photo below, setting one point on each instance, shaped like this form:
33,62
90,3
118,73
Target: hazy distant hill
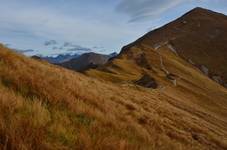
60,58
86,61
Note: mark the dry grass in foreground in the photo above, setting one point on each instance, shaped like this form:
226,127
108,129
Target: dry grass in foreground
47,107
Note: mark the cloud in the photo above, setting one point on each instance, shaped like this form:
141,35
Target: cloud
69,44
50,43
25,51
74,48
66,44
79,48
49,23
97,47
43,20
55,48
143,9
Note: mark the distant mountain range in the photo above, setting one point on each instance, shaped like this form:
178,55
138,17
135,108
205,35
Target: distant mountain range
59,58
87,61
78,62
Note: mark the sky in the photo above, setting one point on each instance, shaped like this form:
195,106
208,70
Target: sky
52,27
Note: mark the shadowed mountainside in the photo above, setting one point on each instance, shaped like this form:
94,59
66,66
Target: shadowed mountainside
86,61
199,37
59,58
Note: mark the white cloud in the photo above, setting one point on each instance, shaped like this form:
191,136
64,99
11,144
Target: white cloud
143,9
25,23
49,23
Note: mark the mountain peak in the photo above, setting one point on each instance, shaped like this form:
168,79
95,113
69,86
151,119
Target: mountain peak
200,13
199,9
199,36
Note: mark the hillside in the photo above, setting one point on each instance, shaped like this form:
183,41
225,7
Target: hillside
86,61
47,107
198,37
171,60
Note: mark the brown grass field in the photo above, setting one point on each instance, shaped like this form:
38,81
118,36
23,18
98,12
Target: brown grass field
47,107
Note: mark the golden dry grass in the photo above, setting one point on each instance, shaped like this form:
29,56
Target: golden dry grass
195,93
47,107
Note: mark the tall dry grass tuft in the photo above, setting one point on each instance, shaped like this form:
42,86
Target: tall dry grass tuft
46,107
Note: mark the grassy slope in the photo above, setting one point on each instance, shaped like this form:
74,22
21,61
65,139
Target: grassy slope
195,93
47,107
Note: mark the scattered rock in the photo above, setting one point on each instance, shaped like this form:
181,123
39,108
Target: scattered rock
191,62
163,68
195,136
172,78
159,45
156,46
184,22
172,48
205,70
147,81
217,79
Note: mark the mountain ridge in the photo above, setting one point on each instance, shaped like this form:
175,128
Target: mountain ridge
198,37
87,61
